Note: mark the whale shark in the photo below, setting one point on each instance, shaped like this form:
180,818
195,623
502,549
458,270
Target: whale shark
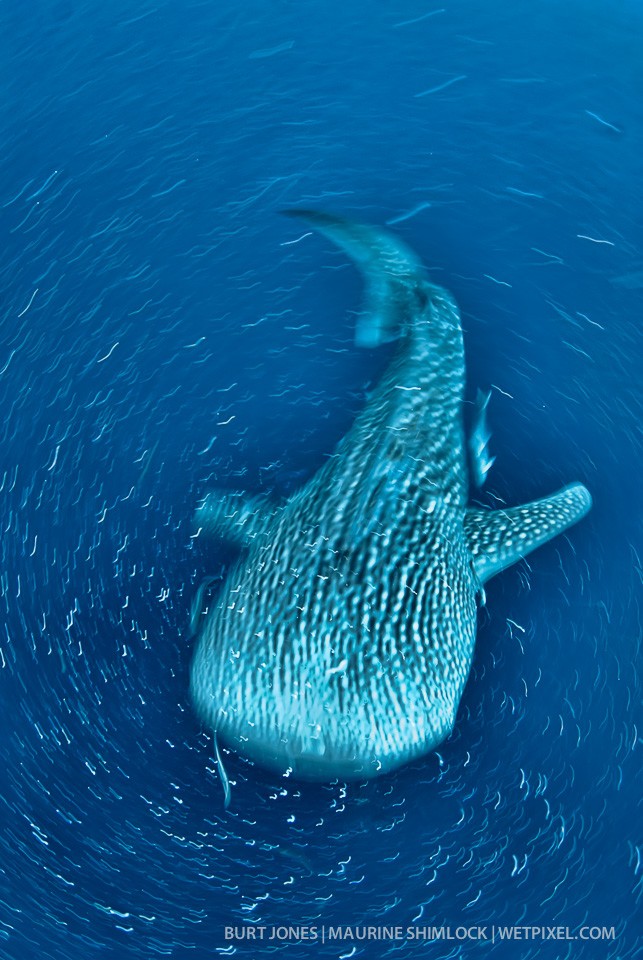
342,638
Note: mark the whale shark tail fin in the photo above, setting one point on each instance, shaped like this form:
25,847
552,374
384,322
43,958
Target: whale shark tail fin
498,538
394,276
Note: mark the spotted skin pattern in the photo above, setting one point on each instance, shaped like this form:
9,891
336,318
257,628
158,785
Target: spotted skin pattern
341,641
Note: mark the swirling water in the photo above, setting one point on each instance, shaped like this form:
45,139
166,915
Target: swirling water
164,331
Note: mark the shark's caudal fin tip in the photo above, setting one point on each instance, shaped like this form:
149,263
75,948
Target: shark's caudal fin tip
391,271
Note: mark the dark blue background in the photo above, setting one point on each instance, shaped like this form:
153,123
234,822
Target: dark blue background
150,292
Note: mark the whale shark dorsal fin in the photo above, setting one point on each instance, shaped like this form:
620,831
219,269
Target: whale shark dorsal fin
232,516
498,538
393,274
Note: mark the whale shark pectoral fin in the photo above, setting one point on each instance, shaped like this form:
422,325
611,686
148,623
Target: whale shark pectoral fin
498,538
231,516
393,275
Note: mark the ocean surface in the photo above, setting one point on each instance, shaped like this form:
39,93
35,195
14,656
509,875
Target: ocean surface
164,331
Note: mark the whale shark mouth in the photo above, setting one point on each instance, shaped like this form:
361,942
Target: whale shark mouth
289,758
310,758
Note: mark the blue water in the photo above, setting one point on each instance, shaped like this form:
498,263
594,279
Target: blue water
162,334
